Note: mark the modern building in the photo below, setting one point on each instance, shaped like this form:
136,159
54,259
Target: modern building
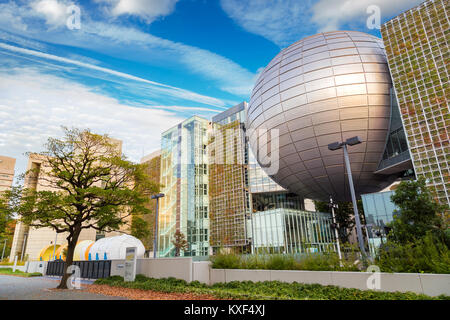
218,196
184,177
417,45
291,231
248,207
7,166
322,89
379,211
229,200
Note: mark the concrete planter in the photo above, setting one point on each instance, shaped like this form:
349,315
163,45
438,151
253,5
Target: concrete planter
429,284
289,276
186,269
435,284
247,275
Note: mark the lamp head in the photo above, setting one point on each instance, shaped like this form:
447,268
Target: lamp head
353,140
334,146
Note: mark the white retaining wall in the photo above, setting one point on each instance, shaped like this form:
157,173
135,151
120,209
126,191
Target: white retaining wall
429,284
180,268
186,269
36,266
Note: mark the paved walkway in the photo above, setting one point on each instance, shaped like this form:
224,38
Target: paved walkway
39,288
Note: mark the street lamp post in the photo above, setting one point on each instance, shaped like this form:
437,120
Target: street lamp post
338,145
4,247
155,237
23,246
54,246
336,233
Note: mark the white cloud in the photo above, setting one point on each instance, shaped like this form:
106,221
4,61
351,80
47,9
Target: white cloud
149,10
230,76
330,15
53,11
286,21
162,88
31,111
280,21
11,16
120,41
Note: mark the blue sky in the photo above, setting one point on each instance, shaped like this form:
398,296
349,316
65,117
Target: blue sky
137,67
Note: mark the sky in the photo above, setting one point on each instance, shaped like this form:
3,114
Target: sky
135,68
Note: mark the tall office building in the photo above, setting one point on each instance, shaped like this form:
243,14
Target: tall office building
249,212
7,165
184,176
417,45
229,202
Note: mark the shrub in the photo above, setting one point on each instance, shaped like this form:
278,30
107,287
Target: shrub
262,290
226,261
425,255
328,261
280,262
254,262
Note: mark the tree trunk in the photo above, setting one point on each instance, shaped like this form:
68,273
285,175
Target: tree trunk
69,258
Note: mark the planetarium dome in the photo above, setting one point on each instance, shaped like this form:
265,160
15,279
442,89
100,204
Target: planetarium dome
322,89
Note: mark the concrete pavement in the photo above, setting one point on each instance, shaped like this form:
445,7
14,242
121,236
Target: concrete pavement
39,288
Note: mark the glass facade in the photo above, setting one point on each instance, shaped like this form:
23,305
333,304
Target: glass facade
249,212
291,231
219,198
228,192
259,181
396,160
416,44
396,143
184,176
379,211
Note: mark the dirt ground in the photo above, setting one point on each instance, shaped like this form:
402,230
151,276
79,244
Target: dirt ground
138,294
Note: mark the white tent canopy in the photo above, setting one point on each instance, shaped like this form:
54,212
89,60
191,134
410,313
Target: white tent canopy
115,247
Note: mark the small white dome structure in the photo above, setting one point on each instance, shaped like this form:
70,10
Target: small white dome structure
80,250
111,248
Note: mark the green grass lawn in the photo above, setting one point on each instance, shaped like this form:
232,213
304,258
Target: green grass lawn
267,290
9,272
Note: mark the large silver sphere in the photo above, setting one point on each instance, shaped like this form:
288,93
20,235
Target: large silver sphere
323,89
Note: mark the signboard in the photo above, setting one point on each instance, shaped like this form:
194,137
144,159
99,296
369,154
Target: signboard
130,264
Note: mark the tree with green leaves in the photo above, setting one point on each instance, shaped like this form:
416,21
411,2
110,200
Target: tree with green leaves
344,216
4,216
179,242
418,214
7,224
86,183
418,240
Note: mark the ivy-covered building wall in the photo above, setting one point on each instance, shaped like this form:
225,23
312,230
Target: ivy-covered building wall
416,44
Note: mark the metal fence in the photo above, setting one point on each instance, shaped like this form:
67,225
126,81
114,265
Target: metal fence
88,269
